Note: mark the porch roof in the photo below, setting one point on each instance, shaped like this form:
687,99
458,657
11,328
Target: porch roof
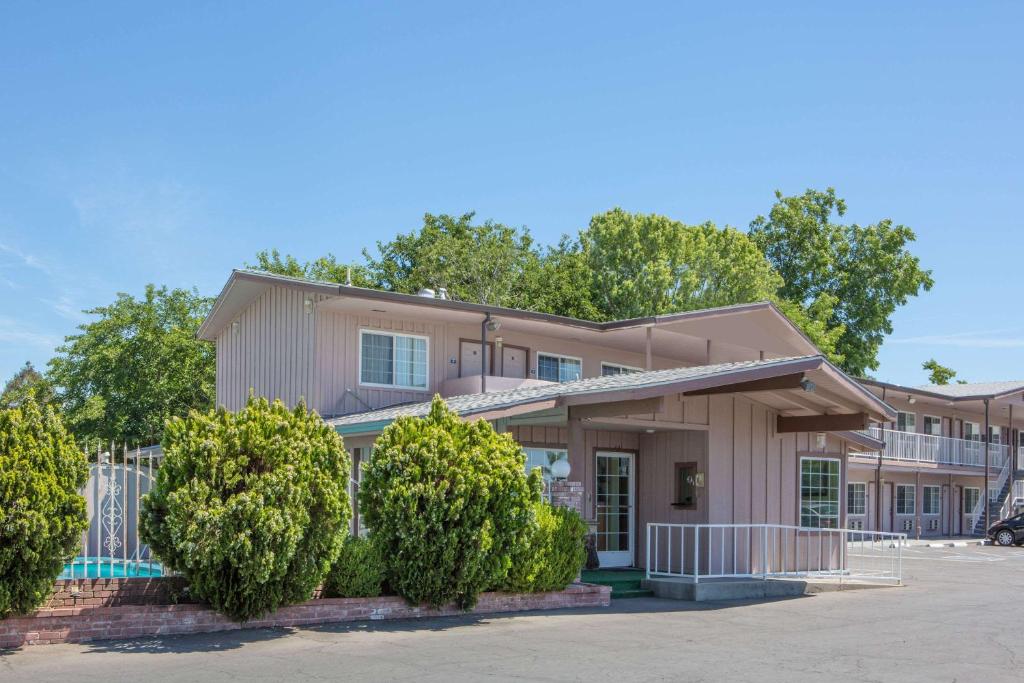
844,392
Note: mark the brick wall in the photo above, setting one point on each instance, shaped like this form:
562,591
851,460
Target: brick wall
87,622
166,590
567,494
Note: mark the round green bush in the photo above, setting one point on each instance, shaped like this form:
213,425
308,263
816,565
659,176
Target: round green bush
553,552
447,502
357,573
42,515
251,507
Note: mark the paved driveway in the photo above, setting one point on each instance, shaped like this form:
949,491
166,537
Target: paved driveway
959,618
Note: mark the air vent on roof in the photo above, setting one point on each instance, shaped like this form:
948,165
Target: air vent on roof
426,292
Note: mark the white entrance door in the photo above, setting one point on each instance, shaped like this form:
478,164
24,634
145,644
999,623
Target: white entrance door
615,496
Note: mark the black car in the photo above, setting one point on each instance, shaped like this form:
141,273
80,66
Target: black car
1008,531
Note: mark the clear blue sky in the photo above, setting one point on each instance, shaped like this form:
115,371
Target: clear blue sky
170,144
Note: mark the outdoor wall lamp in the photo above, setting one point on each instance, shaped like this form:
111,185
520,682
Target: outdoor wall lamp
807,385
488,324
560,469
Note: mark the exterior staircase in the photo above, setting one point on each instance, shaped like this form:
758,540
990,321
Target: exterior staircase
995,507
625,583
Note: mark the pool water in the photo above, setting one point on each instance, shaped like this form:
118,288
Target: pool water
103,568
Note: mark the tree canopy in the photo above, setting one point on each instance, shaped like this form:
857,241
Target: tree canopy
135,366
24,384
938,374
867,271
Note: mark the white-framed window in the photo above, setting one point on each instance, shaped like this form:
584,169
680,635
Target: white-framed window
995,434
906,422
972,431
931,500
905,499
544,458
819,493
608,369
856,498
390,359
933,425
555,368
971,496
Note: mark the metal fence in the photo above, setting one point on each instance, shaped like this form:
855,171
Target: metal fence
718,551
119,477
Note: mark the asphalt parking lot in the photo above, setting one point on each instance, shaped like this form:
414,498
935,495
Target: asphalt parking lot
957,619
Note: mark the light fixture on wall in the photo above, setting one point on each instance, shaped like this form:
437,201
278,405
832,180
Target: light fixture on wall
807,385
821,441
234,327
911,399
307,304
560,469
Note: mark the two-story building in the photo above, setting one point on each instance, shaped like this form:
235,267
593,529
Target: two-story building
949,450
721,416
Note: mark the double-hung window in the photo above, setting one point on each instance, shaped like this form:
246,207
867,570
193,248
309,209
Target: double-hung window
995,434
906,422
856,498
389,359
819,493
932,501
972,431
933,425
971,496
905,502
553,368
609,369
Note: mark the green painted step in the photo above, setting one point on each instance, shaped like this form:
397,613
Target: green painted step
638,593
625,583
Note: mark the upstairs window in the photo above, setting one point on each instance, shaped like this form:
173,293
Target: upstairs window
392,360
995,434
554,368
610,369
933,425
972,431
906,422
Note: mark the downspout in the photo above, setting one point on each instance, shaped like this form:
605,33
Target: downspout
988,438
878,483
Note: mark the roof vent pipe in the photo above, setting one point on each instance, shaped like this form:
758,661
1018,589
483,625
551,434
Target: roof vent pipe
442,293
426,292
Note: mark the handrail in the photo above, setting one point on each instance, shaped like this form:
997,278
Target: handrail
914,447
699,552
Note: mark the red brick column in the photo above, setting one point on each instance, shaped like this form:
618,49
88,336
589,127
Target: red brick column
567,494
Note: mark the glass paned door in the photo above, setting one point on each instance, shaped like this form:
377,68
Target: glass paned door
615,495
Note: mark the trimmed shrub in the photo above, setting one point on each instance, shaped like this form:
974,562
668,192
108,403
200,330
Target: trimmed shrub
553,552
447,502
251,507
42,515
357,573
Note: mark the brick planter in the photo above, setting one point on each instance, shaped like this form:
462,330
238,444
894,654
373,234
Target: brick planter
116,608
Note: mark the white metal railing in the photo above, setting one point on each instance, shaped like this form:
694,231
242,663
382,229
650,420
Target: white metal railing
715,551
943,450
110,547
1014,500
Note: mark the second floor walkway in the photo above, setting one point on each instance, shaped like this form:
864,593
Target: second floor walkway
940,450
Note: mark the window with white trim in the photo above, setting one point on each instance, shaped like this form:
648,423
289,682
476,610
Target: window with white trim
971,497
554,368
389,359
609,369
544,458
972,431
931,501
906,422
933,425
819,493
905,499
995,434
856,498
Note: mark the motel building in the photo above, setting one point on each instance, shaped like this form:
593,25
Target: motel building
950,449
715,443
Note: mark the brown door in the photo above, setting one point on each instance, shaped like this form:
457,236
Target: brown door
513,362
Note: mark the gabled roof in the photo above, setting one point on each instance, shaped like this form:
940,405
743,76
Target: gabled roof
630,386
244,286
956,392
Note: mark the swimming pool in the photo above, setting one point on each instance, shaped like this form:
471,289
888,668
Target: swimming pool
103,568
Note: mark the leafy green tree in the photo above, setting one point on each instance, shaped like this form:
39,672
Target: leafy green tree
26,382
646,264
553,552
251,507
447,502
358,572
560,284
323,269
42,515
938,374
868,271
135,366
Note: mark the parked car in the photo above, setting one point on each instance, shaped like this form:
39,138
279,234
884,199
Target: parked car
1008,531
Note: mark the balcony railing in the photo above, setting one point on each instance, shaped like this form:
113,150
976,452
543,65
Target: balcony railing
940,450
